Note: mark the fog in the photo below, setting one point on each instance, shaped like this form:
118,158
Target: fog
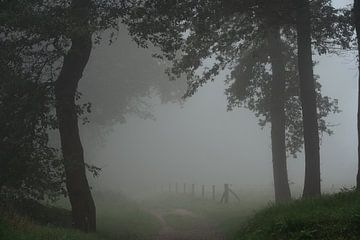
148,137
169,120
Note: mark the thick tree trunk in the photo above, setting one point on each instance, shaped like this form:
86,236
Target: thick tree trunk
312,185
357,27
83,207
277,112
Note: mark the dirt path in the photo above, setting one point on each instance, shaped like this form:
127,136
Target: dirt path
191,226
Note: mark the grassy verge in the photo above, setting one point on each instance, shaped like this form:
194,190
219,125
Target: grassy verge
121,218
16,228
117,218
335,217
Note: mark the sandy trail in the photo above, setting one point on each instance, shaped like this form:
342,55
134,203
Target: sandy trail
200,229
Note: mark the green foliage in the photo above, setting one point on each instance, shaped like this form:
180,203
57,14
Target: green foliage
250,87
205,38
192,32
17,228
29,167
35,36
330,217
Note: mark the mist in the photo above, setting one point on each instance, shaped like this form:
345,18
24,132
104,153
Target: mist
197,140
179,120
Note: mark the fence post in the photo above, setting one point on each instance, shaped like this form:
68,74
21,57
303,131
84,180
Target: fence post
193,190
184,188
176,188
226,186
203,191
213,192
225,196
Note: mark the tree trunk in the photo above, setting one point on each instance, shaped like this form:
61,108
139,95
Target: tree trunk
356,10
277,112
83,207
312,185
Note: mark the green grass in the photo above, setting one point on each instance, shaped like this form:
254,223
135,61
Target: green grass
16,228
180,223
120,218
333,217
117,218
42,214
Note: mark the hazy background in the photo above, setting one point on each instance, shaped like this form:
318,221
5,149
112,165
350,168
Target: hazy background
142,135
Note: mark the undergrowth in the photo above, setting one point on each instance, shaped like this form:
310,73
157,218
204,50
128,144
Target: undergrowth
331,217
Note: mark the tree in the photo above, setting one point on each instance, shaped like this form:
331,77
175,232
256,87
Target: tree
277,112
264,92
53,34
202,44
55,40
61,25
223,31
308,101
29,167
321,34
82,203
356,12
65,91
251,87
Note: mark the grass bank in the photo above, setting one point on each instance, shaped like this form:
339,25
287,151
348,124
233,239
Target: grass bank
18,228
121,218
332,217
117,218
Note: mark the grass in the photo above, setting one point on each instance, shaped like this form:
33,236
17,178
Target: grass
121,218
42,214
331,217
228,218
17,228
180,223
117,218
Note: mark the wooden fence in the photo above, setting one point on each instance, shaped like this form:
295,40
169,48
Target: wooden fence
227,192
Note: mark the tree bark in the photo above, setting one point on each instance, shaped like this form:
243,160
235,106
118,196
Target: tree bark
312,185
83,207
356,11
277,114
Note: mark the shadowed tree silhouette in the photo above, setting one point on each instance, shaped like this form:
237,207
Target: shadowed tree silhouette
356,14
204,38
55,40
